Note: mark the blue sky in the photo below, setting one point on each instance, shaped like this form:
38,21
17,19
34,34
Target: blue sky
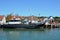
30,7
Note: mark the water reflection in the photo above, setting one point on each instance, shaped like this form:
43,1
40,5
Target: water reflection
30,34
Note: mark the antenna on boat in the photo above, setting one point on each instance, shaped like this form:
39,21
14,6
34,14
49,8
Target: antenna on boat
30,11
39,14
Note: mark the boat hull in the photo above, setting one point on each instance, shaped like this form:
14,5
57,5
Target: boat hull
0,26
28,26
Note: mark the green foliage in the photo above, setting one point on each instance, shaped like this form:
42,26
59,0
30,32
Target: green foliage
57,19
7,18
41,17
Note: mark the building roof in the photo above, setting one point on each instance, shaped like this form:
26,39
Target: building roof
12,17
1,17
32,18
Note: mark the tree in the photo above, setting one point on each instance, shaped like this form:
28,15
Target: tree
7,17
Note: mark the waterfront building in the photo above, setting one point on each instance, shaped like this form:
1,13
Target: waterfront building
2,19
33,19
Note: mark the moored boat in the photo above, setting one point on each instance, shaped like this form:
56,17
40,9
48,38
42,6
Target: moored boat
16,23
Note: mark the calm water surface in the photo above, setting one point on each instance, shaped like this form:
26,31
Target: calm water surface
30,34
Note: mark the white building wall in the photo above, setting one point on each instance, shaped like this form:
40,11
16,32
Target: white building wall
3,21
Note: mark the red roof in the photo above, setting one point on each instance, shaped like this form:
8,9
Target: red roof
11,17
32,18
1,17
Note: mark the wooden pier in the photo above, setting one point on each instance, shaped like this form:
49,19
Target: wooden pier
53,25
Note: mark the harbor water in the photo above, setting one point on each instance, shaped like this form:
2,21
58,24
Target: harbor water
30,34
